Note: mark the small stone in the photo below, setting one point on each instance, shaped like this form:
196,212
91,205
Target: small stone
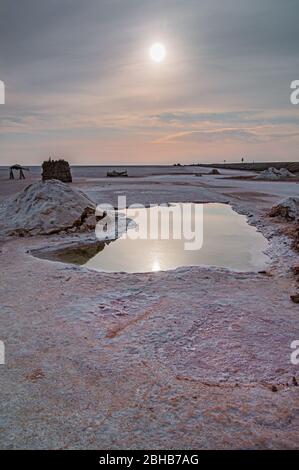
295,298
295,270
274,388
294,382
35,375
265,273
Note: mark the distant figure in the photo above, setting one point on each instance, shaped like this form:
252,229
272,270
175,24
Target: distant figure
20,168
242,160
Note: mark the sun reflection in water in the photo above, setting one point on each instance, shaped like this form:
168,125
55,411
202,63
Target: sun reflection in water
156,266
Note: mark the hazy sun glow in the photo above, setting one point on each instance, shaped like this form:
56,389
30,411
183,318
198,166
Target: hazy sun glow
158,52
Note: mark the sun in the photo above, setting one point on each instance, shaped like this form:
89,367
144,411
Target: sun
158,52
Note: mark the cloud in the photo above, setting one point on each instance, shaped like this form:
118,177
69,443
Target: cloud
210,136
81,68
227,135
246,117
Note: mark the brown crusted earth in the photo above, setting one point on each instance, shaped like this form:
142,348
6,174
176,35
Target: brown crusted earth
191,358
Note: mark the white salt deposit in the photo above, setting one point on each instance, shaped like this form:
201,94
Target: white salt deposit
274,174
44,208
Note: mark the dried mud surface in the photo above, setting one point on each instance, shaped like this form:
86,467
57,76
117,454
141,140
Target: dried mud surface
191,358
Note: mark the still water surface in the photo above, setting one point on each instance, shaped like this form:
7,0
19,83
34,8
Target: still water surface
227,241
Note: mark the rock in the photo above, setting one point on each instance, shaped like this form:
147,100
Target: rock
295,298
295,270
45,208
288,209
35,375
296,238
273,174
115,174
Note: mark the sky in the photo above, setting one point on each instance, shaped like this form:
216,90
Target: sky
80,83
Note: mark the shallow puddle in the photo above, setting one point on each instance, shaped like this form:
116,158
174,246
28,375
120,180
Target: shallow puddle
227,241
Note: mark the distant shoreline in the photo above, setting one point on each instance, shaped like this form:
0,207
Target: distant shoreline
293,167
253,166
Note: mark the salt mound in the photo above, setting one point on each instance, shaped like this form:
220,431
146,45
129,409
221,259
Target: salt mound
288,209
274,174
46,207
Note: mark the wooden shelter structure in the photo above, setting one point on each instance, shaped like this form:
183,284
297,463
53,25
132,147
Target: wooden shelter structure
19,168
